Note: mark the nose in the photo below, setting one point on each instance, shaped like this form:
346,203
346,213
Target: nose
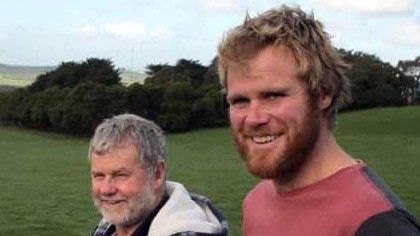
107,187
257,115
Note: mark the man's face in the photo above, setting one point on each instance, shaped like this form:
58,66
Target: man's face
121,189
273,124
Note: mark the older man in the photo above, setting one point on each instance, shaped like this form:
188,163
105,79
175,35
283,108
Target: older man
285,82
128,165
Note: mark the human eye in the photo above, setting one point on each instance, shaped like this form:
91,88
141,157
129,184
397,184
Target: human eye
238,101
97,176
272,96
121,175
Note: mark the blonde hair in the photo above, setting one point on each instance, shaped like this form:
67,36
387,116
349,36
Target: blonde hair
319,64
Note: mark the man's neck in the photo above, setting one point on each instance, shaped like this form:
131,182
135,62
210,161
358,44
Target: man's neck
326,158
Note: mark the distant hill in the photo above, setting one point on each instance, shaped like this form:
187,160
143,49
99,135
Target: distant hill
19,76
32,71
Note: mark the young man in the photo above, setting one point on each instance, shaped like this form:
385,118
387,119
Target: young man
128,165
285,82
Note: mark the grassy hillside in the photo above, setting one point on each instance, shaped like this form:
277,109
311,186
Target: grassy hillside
21,76
45,177
19,81
24,70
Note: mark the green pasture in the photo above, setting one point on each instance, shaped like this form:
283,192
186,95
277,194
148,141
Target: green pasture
45,177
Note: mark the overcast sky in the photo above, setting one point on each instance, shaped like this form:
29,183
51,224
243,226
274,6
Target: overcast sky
135,33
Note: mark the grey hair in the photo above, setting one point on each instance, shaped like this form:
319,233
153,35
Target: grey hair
129,128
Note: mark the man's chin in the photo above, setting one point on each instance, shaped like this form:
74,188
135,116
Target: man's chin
118,219
262,172
283,171
115,220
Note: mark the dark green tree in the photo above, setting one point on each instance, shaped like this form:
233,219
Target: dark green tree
89,103
177,106
69,74
192,70
374,83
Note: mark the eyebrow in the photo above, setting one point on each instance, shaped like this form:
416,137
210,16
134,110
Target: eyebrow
261,92
233,96
122,169
94,172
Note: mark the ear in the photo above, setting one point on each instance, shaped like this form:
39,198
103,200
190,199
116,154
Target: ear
159,177
324,101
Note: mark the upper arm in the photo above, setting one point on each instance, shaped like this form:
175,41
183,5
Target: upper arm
390,223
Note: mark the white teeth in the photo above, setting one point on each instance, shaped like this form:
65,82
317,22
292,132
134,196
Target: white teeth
264,139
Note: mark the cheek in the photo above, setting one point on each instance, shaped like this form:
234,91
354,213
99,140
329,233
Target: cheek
129,188
95,189
236,118
290,114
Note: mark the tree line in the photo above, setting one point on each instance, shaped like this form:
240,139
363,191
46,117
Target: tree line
75,97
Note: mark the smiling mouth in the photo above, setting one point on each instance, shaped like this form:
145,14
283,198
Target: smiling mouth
264,139
111,202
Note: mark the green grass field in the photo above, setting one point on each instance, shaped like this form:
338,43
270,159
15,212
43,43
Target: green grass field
45,177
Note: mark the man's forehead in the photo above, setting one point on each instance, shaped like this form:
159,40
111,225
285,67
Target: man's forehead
120,155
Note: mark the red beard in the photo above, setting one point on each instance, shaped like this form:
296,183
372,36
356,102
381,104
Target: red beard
285,164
